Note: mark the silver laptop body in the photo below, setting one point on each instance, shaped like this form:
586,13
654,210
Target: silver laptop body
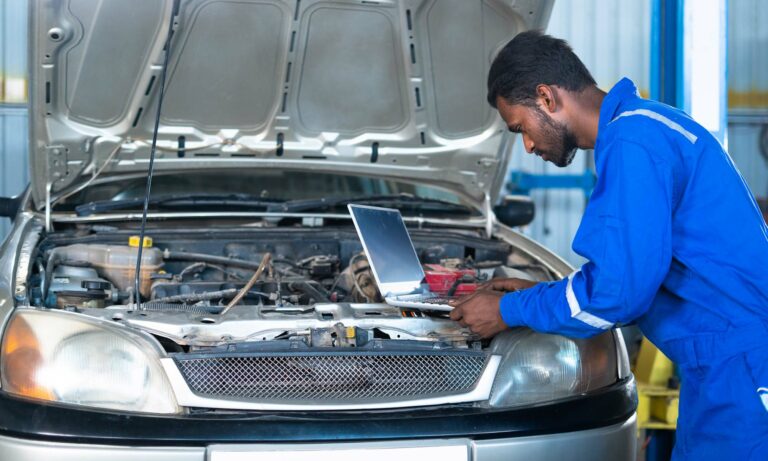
393,258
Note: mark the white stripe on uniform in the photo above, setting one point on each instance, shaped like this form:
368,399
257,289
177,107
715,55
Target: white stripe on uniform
660,118
579,314
763,393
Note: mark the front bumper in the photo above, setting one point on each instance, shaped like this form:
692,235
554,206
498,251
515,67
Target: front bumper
616,442
28,419
599,425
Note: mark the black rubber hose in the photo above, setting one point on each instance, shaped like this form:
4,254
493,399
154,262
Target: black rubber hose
463,279
310,291
202,257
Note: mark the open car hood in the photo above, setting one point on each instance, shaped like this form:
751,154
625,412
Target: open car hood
384,88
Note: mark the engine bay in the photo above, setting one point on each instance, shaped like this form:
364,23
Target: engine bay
317,290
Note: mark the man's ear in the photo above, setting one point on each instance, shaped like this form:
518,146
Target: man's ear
548,97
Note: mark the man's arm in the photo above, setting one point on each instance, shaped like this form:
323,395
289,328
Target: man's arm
507,284
626,236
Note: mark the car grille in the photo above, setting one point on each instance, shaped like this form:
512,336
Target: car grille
333,377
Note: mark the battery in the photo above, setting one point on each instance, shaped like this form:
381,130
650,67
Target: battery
440,279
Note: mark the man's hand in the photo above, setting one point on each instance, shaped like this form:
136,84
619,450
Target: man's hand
506,285
480,311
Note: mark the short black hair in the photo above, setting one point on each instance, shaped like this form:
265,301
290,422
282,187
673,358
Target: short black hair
530,59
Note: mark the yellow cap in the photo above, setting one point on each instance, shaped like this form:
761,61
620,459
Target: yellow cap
133,241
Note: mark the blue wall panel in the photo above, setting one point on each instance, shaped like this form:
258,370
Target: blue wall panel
13,96
13,158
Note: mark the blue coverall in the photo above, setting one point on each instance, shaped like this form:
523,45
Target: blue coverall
676,243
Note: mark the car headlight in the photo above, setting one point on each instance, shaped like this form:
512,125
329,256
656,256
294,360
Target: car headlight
538,367
63,357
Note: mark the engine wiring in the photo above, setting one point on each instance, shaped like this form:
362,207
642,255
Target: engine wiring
198,267
264,263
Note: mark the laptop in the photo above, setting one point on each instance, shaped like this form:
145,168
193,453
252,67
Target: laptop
393,259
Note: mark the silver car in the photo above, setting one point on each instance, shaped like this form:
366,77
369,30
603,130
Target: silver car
276,115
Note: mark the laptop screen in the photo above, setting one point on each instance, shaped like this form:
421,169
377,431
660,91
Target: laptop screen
387,244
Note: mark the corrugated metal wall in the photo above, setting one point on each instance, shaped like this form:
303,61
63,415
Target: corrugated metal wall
748,90
13,96
747,61
612,38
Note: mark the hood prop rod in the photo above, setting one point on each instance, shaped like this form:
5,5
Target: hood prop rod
136,281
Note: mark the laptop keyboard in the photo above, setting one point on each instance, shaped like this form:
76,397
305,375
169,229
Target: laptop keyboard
425,299
437,300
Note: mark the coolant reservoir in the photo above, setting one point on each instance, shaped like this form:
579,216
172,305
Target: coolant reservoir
116,263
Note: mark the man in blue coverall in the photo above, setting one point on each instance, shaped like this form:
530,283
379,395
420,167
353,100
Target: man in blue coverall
673,237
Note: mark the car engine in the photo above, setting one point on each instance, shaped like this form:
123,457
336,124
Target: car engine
317,290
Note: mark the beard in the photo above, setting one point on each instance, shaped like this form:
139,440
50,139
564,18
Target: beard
562,147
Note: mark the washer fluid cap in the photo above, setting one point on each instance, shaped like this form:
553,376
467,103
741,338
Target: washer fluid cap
133,241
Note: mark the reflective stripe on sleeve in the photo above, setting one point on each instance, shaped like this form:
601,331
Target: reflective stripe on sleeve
660,118
579,314
763,393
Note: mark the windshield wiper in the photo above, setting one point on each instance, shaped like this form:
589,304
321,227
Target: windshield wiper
404,202
229,202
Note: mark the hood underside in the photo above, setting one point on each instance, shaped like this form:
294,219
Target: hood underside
381,88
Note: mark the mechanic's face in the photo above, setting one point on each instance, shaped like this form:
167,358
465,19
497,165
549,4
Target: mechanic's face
548,138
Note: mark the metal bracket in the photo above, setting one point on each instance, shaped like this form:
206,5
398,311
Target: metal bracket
57,162
57,156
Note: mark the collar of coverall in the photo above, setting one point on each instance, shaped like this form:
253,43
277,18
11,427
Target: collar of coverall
622,90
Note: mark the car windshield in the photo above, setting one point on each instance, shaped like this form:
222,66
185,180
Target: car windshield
261,189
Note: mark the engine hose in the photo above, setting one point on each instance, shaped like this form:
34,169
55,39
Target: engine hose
222,260
264,263
310,291
463,279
